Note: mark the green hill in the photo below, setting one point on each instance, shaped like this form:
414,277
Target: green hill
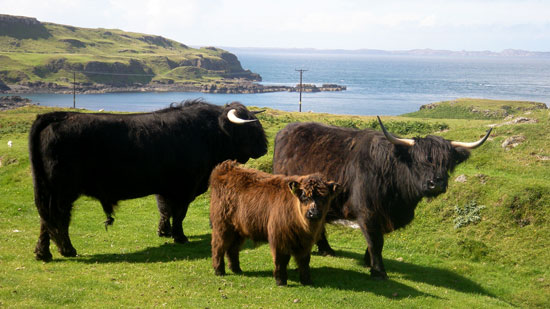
44,55
467,108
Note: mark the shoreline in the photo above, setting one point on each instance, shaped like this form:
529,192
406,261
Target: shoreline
223,87
15,101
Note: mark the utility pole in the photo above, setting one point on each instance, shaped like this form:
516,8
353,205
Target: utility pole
74,89
301,71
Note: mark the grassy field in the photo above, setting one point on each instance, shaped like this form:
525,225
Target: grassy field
483,244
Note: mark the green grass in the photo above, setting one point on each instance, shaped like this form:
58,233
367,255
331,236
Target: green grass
501,260
467,108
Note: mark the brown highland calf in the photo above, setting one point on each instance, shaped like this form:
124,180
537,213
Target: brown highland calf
287,211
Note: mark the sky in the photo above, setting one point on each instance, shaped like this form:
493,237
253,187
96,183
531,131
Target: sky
472,25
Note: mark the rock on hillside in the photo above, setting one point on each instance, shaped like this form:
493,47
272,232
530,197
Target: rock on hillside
9,102
21,27
3,87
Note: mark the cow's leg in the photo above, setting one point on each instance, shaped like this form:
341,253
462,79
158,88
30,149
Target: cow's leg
59,232
303,268
281,262
219,247
179,211
366,258
177,208
55,216
323,245
42,249
43,200
233,254
375,243
164,230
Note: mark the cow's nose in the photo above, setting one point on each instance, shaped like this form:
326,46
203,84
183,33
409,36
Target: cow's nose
437,185
313,213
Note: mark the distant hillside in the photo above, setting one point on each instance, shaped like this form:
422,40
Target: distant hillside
468,108
411,52
39,56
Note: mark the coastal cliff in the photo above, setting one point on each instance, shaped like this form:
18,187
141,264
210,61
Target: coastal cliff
47,57
38,57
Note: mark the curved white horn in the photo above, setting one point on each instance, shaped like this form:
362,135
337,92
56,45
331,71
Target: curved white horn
394,140
233,118
473,144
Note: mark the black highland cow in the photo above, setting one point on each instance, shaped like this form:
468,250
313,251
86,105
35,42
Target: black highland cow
383,177
114,157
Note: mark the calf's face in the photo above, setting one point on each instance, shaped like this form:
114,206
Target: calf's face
314,194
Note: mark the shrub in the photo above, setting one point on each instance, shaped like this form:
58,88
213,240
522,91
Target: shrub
470,213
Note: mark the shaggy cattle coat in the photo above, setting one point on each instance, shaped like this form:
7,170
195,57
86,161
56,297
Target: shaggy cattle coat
382,181
114,157
287,212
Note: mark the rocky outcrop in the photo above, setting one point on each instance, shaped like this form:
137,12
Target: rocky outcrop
15,101
314,88
118,73
13,76
158,40
3,87
74,43
513,141
512,121
248,87
21,27
55,65
161,85
332,87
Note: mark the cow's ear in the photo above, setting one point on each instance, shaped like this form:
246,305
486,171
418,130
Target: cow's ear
294,187
460,154
334,187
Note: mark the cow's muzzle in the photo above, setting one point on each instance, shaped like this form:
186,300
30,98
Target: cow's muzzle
313,213
436,186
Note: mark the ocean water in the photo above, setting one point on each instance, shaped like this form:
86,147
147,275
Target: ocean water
376,85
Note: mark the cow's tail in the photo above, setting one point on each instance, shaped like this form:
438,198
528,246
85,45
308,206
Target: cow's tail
42,194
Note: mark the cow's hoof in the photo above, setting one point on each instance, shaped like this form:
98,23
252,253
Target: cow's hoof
165,229
237,270
219,272
306,282
70,252
280,282
378,275
181,240
43,256
162,233
326,252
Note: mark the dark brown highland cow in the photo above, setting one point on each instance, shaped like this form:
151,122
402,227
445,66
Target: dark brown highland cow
113,157
288,212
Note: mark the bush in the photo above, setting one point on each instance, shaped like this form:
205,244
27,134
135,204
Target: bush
470,213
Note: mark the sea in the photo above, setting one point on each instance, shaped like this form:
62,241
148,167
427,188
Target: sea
376,84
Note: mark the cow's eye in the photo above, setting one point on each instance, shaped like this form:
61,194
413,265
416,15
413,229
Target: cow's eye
430,159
